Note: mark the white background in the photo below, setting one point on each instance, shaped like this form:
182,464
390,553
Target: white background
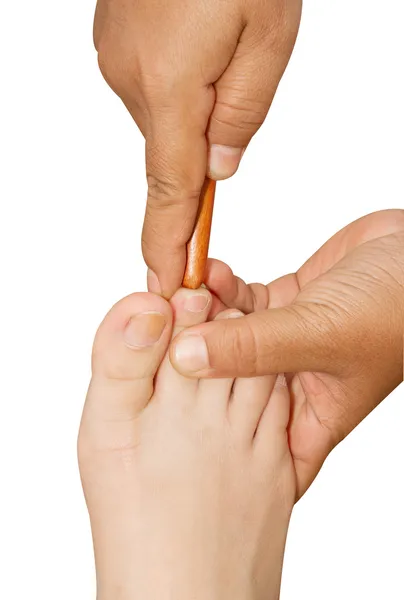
72,191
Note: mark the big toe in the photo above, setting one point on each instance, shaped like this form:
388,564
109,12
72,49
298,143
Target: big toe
128,349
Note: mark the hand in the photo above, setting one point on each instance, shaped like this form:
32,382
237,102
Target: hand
336,326
198,78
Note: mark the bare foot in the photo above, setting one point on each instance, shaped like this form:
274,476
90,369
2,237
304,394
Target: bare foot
189,484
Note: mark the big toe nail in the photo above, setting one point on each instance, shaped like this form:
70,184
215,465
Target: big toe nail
128,349
133,338
144,329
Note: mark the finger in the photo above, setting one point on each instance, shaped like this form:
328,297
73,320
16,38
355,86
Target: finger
233,292
245,91
291,339
365,229
171,103
176,155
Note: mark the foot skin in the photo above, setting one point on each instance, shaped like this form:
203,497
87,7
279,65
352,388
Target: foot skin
189,484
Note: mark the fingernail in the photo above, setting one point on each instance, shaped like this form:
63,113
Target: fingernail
144,329
235,315
196,303
191,353
223,161
153,284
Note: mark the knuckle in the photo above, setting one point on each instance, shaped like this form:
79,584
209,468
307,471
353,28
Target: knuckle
319,320
108,66
172,181
245,347
163,189
247,110
239,117
158,88
120,72
166,192
169,222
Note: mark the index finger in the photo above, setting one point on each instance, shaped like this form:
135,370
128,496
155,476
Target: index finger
176,160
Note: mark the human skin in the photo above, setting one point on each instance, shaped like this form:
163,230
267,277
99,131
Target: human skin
336,327
189,484
198,78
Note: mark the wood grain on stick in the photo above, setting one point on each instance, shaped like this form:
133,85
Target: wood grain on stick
198,245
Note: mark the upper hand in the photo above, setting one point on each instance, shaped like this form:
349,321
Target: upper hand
198,79
336,326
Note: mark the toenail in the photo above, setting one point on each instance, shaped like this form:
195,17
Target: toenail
281,381
144,329
191,353
153,284
196,303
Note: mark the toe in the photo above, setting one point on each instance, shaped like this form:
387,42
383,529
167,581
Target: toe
214,394
128,349
190,307
271,436
249,400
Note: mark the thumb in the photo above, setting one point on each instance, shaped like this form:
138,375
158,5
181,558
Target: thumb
245,91
280,340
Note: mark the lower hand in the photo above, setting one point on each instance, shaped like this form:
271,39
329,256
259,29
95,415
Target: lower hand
336,326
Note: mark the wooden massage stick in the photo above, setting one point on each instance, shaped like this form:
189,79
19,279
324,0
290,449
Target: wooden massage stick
198,245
